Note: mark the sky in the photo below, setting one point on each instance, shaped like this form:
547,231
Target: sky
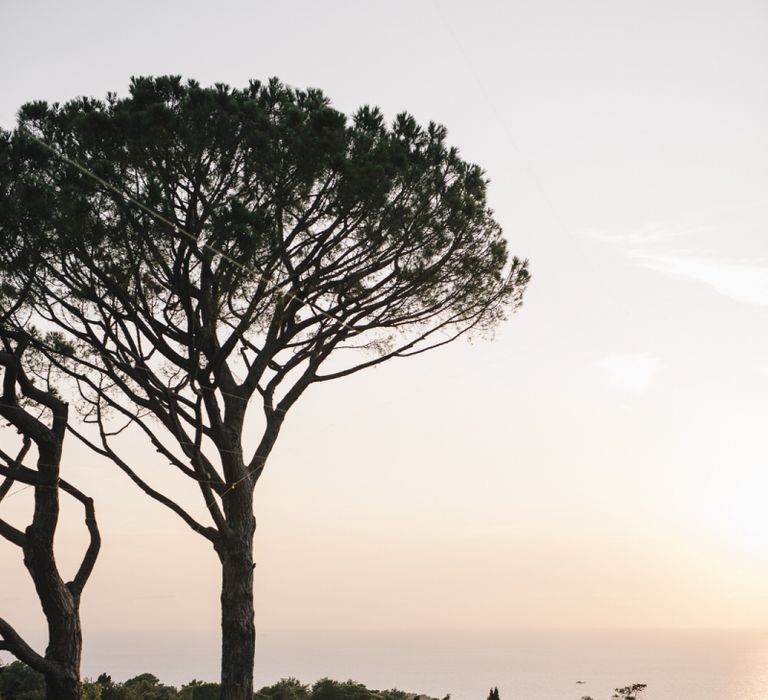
602,461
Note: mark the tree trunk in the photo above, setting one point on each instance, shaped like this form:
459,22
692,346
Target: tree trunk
238,635
62,686
61,607
64,650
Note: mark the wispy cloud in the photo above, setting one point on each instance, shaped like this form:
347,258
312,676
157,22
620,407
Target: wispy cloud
740,281
630,372
745,281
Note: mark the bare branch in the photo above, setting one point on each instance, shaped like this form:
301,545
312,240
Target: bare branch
94,545
106,451
14,643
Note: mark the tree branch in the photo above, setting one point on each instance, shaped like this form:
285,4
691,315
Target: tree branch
12,534
21,650
106,451
92,552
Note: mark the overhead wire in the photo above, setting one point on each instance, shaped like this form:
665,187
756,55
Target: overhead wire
179,229
175,226
125,196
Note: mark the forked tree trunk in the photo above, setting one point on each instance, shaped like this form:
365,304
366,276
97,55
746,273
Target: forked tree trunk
60,601
60,605
238,635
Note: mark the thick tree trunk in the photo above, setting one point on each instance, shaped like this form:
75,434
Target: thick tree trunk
63,683
238,635
64,651
62,686
61,607
60,601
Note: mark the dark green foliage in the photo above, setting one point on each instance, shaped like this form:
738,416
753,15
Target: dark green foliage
286,689
630,692
494,694
147,687
200,690
238,244
335,234
19,682
281,183
327,689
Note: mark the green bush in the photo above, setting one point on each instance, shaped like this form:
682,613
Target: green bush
19,682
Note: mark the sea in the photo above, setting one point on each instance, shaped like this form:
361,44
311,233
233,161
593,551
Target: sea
523,664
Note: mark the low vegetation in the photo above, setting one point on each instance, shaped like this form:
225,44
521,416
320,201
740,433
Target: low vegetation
19,682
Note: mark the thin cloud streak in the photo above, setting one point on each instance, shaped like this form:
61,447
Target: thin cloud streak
743,282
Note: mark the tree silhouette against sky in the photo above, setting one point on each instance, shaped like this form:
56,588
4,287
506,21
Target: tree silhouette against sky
211,250
31,407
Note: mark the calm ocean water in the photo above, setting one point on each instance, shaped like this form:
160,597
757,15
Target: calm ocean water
525,665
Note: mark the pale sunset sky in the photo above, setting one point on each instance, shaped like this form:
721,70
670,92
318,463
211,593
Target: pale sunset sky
603,461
